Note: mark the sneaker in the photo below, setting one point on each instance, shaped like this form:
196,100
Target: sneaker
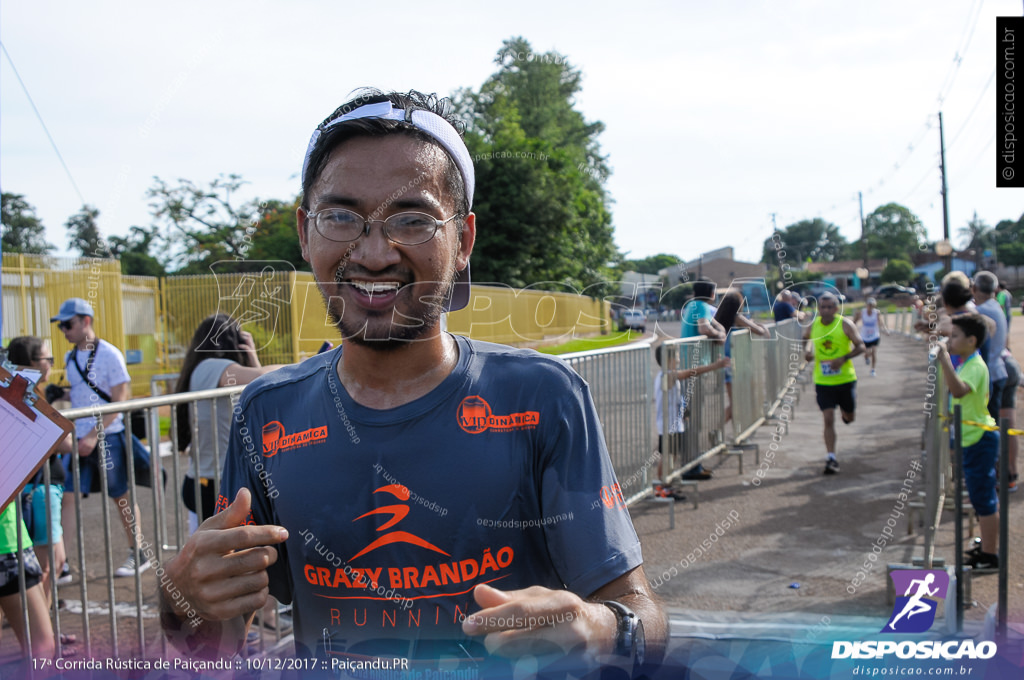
831,467
873,374
867,360
128,567
975,547
65,576
1012,486
983,561
668,492
699,475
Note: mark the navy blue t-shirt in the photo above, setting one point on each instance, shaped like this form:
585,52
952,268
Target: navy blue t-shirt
395,515
783,310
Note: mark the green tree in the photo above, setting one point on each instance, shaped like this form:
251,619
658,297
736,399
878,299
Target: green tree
1012,255
133,251
275,235
977,236
815,240
84,233
540,197
897,271
650,265
202,225
893,231
23,231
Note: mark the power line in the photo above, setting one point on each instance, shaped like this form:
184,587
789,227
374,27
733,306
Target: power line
984,150
918,185
40,118
974,108
958,57
973,16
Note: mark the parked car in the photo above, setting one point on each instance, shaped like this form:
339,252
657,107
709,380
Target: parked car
893,291
816,289
633,319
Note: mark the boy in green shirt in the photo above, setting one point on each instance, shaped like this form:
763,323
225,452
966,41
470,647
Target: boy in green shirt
969,387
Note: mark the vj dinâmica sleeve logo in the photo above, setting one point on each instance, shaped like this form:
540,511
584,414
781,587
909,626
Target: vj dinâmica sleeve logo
914,612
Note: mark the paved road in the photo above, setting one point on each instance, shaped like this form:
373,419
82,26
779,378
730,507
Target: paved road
796,542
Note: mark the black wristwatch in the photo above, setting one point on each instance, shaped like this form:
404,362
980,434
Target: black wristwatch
629,634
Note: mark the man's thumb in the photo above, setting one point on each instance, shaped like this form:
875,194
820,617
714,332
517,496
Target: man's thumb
235,514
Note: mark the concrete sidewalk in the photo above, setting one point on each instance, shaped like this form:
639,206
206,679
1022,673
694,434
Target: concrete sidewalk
794,544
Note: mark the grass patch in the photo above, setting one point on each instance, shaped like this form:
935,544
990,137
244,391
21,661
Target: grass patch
597,342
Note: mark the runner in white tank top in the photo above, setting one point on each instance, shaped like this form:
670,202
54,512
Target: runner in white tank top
871,324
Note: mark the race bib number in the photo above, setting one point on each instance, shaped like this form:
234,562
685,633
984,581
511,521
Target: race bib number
826,368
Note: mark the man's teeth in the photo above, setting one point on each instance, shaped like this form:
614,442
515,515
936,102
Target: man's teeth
376,287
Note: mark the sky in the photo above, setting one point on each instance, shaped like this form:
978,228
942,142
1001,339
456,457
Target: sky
720,117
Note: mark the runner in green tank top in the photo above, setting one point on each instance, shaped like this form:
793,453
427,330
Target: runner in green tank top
833,341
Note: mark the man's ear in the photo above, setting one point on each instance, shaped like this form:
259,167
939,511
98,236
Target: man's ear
302,226
466,242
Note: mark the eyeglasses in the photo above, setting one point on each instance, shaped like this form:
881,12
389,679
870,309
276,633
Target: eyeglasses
50,359
407,228
65,325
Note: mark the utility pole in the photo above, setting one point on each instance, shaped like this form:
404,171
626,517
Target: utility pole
948,259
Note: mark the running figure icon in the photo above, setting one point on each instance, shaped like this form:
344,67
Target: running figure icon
914,604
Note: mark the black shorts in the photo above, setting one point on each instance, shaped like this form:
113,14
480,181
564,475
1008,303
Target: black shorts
9,571
871,343
844,396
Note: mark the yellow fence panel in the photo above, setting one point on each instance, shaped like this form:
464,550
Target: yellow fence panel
35,285
152,320
522,317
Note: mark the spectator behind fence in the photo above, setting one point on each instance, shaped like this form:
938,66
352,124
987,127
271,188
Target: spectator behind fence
1005,299
699,312
10,589
728,316
969,386
955,297
221,354
985,285
786,306
36,353
670,443
98,375
406,425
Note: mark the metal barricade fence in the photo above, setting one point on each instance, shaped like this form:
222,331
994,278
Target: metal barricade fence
620,385
785,363
935,456
151,546
748,384
703,402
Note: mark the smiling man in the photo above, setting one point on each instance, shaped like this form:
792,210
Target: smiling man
415,494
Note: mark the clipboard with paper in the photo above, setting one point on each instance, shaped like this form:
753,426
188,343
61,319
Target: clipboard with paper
30,430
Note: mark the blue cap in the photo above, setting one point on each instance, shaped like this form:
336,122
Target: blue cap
71,308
